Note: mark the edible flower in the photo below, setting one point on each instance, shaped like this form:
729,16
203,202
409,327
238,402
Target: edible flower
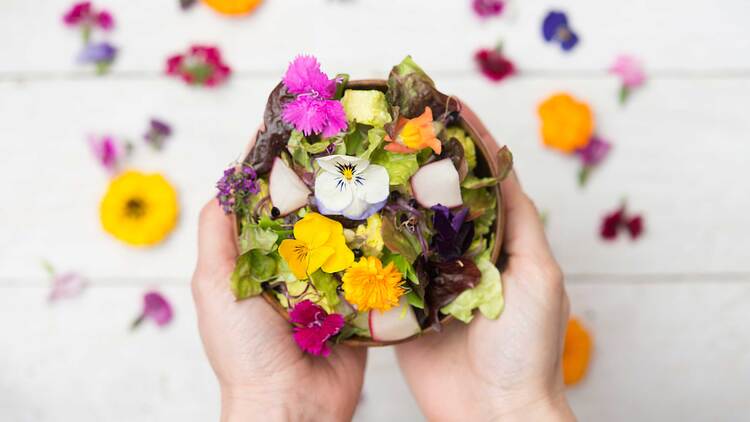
493,64
619,219
372,235
368,285
576,352
555,28
566,123
139,209
453,234
100,54
236,187
65,285
107,152
157,133
313,327
201,65
318,242
350,186
591,155
415,134
487,8
313,111
84,16
232,7
156,308
630,71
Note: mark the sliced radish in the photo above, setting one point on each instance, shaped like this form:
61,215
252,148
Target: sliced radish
437,183
394,324
288,192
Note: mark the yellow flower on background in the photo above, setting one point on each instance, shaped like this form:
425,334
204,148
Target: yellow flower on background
318,243
369,285
566,123
232,7
372,233
139,209
576,352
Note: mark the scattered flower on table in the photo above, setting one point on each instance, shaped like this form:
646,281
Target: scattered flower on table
591,156
630,71
139,209
108,152
318,243
157,133
350,186
84,17
201,65
555,29
187,4
369,285
64,285
487,8
157,308
576,352
102,55
414,135
313,326
313,111
236,187
567,124
493,64
618,220
232,7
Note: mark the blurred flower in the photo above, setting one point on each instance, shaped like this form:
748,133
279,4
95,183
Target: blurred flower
591,155
236,187
631,72
65,285
107,152
313,326
369,285
157,134
566,123
101,54
232,7
156,308
555,29
487,8
187,4
139,209
576,352
201,65
82,15
77,13
493,64
618,219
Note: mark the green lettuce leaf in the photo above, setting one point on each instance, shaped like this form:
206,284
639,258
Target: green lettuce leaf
470,151
298,152
487,295
256,237
400,167
473,182
366,107
252,268
326,286
375,137
400,242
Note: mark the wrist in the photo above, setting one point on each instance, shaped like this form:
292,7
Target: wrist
275,406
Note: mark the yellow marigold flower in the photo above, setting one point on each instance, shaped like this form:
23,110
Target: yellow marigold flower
566,123
369,285
576,352
318,243
372,235
232,7
139,209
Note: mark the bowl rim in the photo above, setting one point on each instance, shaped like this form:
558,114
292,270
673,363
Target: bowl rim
489,152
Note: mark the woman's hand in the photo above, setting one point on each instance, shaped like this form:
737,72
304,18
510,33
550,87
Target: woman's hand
509,368
262,373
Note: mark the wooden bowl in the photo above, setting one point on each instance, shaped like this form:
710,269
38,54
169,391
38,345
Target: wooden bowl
487,166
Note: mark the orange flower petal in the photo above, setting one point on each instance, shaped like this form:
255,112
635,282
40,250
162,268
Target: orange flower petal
566,123
576,352
232,7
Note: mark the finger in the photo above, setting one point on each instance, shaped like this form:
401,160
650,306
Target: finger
217,247
524,232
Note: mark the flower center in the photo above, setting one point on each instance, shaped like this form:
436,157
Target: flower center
135,208
346,171
300,252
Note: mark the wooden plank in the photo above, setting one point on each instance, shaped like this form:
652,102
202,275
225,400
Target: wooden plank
671,36
680,150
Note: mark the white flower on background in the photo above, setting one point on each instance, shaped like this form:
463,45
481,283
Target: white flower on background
350,186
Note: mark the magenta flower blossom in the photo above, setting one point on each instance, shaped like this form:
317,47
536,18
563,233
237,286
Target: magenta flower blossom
83,14
613,222
313,111
631,73
155,307
107,152
65,285
591,156
493,64
201,65
487,8
313,327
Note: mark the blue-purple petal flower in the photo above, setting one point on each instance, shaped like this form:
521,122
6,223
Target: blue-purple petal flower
102,52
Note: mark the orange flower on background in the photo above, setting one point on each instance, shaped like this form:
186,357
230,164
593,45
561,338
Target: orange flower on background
576,352
414,134
566,123
232,7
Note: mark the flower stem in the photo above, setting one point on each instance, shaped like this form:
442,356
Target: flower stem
624,94
137,322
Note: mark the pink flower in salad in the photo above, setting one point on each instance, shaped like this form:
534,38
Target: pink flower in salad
313,327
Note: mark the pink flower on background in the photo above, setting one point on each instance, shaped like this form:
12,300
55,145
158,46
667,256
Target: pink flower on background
493,64
631,73
313,327
107,152
156,308
613,222
83,14
591,156
314,110
65,285
487,8
201,65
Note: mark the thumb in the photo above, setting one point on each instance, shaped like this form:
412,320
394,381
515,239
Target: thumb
217,247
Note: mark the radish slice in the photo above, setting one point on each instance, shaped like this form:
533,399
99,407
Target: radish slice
395,324
288,192
437,183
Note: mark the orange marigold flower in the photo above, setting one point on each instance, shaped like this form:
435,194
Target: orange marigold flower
576,353
413,135
232,7
369,285
566,123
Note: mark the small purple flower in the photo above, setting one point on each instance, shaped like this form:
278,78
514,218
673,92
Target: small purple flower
155,307
591,156
453,234
555,28
487,8
157,133
236,187
65,285
107,152
97,53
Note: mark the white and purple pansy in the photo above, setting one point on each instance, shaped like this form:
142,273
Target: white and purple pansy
350,186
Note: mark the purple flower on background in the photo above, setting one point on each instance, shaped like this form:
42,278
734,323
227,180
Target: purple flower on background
631,73
486,8
619,219
313,111
453,234
98,53
201,65
107,152
313,327
493,64
65,285
155,307
591,155
187,4
157,134
236,187
555,28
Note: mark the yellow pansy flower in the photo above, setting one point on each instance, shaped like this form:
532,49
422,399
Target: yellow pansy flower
139,209
369,285
318,243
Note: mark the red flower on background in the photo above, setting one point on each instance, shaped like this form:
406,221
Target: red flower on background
487,8
201,65
613,222
493,64
83,14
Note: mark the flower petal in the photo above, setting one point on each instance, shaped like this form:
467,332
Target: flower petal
313,230
341,258
318,257
331,163
376,182
332,192
289,250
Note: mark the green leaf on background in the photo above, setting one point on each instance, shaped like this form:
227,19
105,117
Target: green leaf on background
400,242
252,269
400,167
487,295
255,237
470,151
326,285
473,182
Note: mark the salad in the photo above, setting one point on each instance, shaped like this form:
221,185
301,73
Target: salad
364,211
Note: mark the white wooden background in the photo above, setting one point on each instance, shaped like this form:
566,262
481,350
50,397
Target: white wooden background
669,313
